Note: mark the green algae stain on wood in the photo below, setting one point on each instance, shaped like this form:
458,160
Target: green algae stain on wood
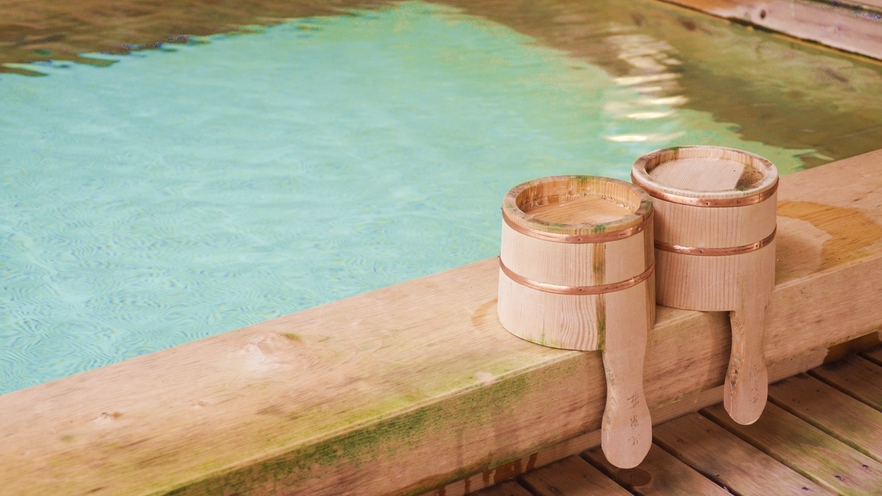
598,255
600,311
366,451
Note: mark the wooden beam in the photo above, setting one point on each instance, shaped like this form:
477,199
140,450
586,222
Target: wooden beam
854,26
417,385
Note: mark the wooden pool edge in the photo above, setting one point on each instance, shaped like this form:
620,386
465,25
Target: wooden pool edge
853,26
661,414
416,386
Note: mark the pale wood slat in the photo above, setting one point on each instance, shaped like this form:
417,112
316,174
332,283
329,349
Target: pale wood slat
509,488
659,474
832,411
874,355
855,376
808,450
571,476
728,460
870,4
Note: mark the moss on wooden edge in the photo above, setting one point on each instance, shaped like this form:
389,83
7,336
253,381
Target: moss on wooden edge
336,465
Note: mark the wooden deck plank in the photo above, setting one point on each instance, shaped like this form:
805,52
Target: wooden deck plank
728,460
853,26
659,474
571,476
419,379
808,450
509,488
843,417
874,355
856,376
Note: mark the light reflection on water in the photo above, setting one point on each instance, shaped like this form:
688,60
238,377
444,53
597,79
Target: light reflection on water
766,87
178,193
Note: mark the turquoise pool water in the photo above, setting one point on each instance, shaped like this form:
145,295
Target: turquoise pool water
187,191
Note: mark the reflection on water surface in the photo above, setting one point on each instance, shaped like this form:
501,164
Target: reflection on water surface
771,89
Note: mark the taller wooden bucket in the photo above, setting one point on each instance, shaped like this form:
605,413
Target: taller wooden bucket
576,272
715,250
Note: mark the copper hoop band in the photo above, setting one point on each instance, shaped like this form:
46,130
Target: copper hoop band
578,238
709,202
576,290
716,252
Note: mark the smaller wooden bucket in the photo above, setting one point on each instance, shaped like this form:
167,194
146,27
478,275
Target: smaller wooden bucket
569,245
576,272
715,249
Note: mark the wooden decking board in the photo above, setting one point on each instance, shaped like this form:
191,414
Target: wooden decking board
874,355
509,488
659,474
807,450
571,476
728,460
855,376
834,412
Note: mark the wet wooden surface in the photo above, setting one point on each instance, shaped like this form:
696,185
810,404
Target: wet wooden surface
813,438
854,26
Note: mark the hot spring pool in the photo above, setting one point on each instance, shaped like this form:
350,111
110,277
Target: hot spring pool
188,190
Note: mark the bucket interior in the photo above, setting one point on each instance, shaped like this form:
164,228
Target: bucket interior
710,169
577,201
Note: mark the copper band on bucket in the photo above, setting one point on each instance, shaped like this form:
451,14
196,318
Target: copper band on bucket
716,252
576,290
578,238
708,202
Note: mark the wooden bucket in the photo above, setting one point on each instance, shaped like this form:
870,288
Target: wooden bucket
715,250
576,272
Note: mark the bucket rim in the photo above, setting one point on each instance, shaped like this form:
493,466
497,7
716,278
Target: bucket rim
751,194
634,199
